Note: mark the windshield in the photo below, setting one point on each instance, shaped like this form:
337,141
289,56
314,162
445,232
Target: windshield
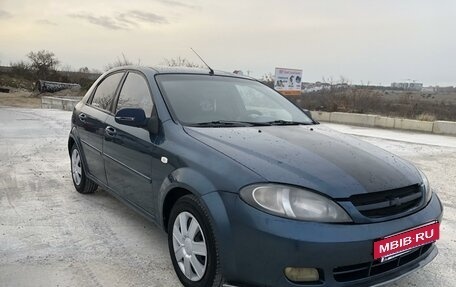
202,100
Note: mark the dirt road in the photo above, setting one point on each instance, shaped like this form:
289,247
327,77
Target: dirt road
20,99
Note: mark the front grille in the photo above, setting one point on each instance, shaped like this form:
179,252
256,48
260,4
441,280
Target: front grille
388,203
364,270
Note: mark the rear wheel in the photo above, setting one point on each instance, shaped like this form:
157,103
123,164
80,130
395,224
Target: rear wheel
192,244
81,182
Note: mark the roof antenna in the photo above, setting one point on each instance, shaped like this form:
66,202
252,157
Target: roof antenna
211,72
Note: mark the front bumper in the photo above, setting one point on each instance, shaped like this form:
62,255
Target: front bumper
256,247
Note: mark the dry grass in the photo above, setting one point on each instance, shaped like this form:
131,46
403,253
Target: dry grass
426,117
26,99
411,105
7,80
20,99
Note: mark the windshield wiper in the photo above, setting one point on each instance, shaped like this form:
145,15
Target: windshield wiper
227,124
287,123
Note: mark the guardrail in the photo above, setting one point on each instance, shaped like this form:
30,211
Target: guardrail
66,104
366,120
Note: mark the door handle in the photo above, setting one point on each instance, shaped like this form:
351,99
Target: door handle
110,131
82,117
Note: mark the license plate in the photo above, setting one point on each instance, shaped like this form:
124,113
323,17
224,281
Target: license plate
386,248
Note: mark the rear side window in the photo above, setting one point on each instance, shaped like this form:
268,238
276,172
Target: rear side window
135,94
104,95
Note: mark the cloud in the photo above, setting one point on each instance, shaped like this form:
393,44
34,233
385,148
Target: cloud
5,14
145,17
103,21
46,22
125,20
122,21
177,4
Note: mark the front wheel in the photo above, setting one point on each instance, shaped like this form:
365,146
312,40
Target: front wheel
192,244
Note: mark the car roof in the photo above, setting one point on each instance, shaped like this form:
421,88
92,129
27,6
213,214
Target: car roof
177,70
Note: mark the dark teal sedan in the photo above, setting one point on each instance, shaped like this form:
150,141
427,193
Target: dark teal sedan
249,188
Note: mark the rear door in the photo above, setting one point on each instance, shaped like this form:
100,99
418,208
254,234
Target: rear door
91,123
129,151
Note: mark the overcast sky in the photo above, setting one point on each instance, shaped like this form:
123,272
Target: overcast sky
376,41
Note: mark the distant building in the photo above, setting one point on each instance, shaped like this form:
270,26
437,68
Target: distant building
429,89
408,86
448,89
340,86
416,86
314,87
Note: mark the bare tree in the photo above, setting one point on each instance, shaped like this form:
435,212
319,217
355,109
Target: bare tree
344,80
22,69
328,80
268,79
180,62
43,62
66,68
84,70
120,62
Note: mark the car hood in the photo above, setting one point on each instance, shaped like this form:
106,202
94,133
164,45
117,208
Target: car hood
315,157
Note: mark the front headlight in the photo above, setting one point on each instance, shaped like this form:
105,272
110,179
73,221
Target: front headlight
293,202
426,187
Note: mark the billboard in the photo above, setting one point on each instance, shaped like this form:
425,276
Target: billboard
288,81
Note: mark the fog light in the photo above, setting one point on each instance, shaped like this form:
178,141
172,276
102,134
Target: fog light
301,274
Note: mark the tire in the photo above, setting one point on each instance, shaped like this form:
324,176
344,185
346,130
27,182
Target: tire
81,182
186,247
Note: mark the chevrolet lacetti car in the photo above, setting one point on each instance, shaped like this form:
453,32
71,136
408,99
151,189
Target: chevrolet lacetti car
250,190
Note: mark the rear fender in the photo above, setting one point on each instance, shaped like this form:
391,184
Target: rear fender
73,138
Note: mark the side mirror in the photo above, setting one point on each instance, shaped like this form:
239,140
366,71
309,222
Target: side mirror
131,117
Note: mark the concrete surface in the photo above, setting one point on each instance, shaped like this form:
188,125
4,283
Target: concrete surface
396,135
444,127
414,125
321,116
375,121
384,122
352,119
52,236
59,103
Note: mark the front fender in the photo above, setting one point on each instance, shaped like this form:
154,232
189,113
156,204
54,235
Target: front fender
216,203
185,178
190,179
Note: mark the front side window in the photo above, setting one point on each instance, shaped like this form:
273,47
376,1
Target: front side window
135,94
104,95
198,99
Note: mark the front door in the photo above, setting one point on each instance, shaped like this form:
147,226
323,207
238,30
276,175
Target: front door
129,151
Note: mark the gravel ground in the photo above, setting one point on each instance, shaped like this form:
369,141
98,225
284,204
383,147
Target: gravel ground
22,99
52,236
